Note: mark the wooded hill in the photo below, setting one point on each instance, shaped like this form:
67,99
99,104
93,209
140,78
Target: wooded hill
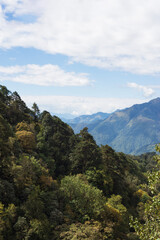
55,184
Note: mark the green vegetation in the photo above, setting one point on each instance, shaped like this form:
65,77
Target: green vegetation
148,227
55,184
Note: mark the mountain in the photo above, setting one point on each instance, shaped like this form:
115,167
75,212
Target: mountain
89,118
64,117
90,121
134,130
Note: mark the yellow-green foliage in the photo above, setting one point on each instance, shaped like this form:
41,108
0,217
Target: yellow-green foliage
26,136
142,195
23,126
115,201
90,230
113,214
29,171
7,217
27,140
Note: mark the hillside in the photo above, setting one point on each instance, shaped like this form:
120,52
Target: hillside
134,130
58,185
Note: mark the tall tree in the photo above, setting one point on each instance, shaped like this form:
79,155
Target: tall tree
36,110
86,153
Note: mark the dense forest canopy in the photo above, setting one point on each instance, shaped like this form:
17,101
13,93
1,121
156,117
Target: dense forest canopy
55,184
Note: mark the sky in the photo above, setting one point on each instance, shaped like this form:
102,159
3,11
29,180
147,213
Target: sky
76,57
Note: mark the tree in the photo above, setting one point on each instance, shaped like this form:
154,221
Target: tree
5,133
91,230
7,220
34,206
55,141
5,148
7,192
18,111
29,171
86,201
26,136
99,179
150,227
36,110
5,95
86,153
27,140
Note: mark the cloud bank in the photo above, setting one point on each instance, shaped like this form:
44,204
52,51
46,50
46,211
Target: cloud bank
79,105
46,75
117,34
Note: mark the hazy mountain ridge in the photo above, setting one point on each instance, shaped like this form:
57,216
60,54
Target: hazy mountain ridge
91,121
89,118
133,130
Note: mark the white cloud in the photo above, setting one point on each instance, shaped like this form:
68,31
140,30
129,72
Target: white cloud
113,34
46,75
19,7
79,105
147,91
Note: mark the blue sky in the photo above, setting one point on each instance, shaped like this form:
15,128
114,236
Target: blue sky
80,56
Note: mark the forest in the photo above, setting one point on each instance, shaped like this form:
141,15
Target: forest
55,184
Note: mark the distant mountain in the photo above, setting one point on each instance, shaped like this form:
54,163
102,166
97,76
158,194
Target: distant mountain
89,121
64,117
134,130
89,118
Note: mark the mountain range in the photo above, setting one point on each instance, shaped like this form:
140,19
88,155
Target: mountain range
133,130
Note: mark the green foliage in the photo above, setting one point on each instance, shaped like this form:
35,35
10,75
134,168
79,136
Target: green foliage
7,219
5,95
40,199
5,147
150,229
145,161
17,110
142,195
39,230
86,201
29,171
34,206
36,111
86,153
55,141
5,132
21,228
100,179
7,192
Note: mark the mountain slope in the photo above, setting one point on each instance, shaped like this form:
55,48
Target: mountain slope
90,121
134,130
89,118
